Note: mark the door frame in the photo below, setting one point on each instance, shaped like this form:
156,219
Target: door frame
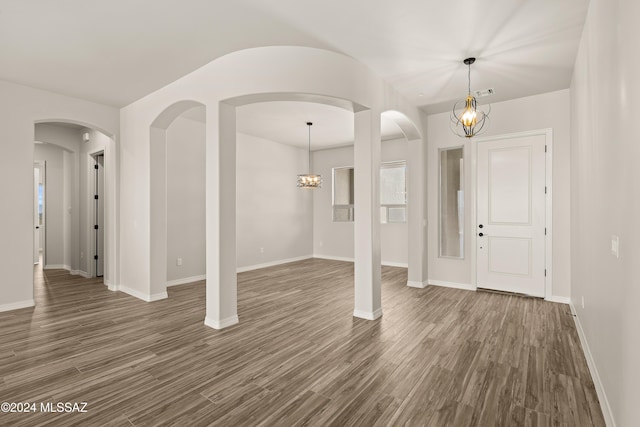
91,213
548,134
42,166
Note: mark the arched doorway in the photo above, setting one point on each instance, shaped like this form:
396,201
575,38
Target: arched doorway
221,234
177,214
79,230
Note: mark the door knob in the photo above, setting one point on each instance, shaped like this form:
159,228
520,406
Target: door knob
480,226
480,234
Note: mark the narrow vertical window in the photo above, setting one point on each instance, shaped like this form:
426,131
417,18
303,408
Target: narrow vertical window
452,203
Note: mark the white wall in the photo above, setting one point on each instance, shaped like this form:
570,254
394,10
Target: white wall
605,202
550,110
274,217
20,108
335,239
185,199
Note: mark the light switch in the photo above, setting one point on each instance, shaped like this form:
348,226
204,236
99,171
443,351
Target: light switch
615,246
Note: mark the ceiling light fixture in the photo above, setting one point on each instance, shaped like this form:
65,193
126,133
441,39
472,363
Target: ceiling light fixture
466,119
309,180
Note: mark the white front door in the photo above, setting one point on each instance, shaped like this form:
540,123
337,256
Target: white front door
511,215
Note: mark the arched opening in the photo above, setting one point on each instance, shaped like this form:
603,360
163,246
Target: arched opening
221,232
177,197
74,199
416,200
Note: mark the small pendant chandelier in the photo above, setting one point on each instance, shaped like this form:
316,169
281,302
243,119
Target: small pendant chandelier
309,180
466,119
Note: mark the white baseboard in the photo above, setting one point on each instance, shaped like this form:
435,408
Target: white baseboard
221,324
454,285
17,305
56,267
395,264
79,273
419,285
346,259
597,382
142,295
333,258
561,300
368,315
272,263
158,296
186,280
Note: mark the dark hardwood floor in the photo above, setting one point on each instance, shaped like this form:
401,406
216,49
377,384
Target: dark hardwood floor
437,357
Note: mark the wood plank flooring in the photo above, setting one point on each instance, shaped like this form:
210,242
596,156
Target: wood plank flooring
437,357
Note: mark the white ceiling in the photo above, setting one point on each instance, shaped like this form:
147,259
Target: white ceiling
117,51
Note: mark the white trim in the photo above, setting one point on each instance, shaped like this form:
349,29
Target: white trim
143,296
18,305
271,264
186,280
56,267
548,134
346,259
560,300
419,285
80,273
159,296
453,285
368,315
334,258
394,264
602,396
221,324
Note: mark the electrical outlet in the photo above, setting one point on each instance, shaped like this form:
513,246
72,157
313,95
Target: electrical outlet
179,262
583,302
320,244
261,250
81,255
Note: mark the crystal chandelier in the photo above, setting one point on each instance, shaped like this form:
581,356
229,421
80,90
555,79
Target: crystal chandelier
309,180
466,119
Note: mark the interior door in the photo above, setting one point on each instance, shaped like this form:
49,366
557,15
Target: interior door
511,215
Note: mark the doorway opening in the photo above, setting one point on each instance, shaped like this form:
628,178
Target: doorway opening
74,196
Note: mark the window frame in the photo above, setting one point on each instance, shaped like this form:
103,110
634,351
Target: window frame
384,217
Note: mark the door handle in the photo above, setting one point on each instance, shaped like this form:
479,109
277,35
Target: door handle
37,228
480,226
480,234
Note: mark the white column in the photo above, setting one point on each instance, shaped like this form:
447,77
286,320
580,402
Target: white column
368,304
158,220
222,298
417,215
